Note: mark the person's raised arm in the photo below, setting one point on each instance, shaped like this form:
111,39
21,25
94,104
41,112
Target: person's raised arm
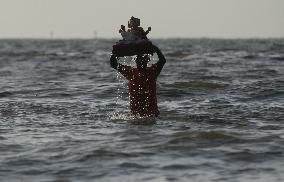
162,60
123,69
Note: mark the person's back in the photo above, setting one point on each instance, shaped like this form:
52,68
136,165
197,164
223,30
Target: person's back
142,83
142,90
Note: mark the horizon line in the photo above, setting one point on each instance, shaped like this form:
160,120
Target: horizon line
118,38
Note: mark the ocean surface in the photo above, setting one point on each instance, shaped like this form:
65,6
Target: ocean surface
64,114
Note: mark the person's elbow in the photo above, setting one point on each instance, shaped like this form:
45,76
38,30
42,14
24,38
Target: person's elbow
113,65
162,60
113,62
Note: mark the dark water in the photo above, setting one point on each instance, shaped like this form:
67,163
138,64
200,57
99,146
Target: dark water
64,113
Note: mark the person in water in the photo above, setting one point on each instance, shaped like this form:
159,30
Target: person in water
142,83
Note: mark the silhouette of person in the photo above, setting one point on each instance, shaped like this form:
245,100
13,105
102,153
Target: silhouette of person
142,82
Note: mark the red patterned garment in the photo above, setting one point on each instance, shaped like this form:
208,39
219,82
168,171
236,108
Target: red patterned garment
142,90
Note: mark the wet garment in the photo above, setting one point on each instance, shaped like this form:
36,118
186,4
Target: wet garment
142,90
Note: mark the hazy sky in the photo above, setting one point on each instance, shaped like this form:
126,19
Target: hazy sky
168,18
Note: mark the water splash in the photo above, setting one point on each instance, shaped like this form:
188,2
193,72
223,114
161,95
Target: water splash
121,110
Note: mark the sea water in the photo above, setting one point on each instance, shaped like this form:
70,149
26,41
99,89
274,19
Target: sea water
64,113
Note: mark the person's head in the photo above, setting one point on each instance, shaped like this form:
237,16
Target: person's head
133,22
142,61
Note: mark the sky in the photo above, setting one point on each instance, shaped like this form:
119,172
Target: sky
168,18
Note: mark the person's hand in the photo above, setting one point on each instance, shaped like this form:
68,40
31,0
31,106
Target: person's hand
149,29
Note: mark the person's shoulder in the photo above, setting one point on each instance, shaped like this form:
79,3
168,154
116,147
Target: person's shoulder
153,68
152,71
